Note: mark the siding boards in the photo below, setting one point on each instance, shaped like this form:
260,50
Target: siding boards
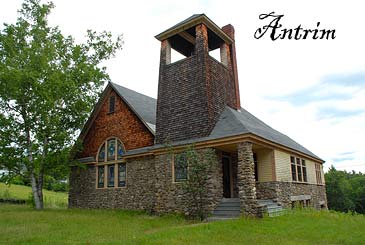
264,164
282,162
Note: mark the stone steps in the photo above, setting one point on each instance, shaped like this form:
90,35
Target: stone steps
228,208
272,208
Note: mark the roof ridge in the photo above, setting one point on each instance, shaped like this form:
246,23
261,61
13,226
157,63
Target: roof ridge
131,90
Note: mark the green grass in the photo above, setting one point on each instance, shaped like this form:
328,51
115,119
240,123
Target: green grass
51,199
22,224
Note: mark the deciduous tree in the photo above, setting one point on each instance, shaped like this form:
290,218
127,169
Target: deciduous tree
48,85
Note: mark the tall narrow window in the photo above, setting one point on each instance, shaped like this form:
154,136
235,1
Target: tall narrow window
111,171
299,170
318,173
180,167
293,169
111,104
100,176
121,174
304,167
111,175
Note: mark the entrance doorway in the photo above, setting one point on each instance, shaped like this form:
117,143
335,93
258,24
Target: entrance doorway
227,177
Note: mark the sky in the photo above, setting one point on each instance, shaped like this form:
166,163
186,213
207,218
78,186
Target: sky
311,90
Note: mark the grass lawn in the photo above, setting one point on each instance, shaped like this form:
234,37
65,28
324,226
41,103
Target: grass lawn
22,224
51,199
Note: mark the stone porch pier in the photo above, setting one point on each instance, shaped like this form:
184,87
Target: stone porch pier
246,180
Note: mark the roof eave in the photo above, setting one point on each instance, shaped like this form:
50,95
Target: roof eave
193,22
131,107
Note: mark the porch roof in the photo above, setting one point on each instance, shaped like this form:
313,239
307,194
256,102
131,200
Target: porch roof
233,122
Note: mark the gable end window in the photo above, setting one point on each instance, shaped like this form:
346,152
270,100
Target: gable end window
111,170
111,104
298,169
180,167
318,173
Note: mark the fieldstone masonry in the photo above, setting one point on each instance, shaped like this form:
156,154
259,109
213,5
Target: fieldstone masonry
286,192
246,180
139,193
170,197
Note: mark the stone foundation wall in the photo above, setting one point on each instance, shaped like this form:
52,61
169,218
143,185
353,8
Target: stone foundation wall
266,190
170,196
286,192
139,193
149,187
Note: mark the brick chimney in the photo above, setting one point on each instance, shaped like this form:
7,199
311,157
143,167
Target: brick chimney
193,92
229,30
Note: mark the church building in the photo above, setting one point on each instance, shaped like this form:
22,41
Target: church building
127,163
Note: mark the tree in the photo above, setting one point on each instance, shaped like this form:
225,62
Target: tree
196,186
338,191
345,190
48,85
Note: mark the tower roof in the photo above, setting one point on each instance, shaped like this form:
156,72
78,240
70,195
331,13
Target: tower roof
191,22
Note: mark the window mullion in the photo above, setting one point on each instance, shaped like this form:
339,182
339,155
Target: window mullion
106,151
116,150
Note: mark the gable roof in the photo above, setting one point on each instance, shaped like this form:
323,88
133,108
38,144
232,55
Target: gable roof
143,105
193,21
232,122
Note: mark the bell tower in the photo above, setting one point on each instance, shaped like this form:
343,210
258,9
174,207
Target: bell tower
194,91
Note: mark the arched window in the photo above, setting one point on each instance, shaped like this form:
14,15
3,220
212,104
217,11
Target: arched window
111,170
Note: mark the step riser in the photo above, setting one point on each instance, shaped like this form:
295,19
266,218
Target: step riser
226,212
227,215
228,209
228,206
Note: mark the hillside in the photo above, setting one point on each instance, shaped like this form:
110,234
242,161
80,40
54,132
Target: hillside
51,199
21,224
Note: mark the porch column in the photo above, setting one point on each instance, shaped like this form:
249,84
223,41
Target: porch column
246,180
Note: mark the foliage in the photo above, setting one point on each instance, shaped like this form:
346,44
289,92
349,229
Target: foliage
20,192
199,164
345,191
48,85
49,183
20,224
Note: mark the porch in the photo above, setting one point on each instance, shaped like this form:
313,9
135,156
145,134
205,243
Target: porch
248,174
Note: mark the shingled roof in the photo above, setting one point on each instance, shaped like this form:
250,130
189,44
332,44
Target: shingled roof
230,123
144,106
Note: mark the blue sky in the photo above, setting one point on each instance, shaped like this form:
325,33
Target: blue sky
311,90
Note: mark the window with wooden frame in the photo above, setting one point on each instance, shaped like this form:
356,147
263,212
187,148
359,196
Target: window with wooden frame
298,169
318,173
111,170
180,169
111,104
